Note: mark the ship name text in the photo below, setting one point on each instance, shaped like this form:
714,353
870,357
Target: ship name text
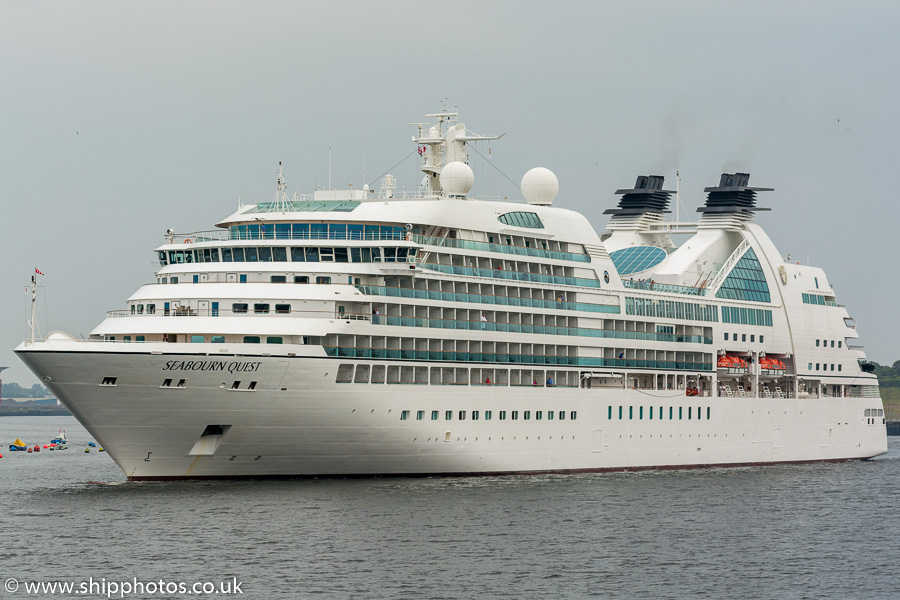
234,366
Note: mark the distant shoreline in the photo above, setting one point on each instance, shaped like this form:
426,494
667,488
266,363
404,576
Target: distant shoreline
34,411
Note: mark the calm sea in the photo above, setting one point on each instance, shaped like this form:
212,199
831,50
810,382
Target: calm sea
806,531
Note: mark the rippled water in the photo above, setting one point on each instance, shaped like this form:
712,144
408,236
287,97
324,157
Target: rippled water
806,531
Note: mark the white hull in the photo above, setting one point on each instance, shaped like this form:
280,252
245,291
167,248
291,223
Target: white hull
299,422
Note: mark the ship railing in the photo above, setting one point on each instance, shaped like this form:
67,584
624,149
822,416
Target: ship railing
655,286
277,234
511,275
444,242
425,322
419,294
512,359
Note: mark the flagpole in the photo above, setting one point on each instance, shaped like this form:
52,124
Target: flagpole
33,300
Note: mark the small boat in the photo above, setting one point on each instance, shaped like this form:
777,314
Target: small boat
18,446
61,439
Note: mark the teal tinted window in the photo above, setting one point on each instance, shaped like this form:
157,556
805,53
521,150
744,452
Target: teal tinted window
251,339
217,339
521,219
746,281
636,259
196,339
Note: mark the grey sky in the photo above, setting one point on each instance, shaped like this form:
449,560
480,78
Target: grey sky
118,120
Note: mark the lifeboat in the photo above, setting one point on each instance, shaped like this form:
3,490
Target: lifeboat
733,364
772,366
18,446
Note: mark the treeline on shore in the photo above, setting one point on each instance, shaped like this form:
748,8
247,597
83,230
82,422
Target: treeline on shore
888,376
14,390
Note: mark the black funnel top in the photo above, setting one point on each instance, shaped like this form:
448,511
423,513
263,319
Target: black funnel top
646,197
732,195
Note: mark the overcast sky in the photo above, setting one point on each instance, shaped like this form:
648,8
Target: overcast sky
121,119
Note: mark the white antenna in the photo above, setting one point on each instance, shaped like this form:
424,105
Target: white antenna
677,196
280,202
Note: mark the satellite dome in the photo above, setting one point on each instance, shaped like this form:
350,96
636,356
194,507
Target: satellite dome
457,179
540,186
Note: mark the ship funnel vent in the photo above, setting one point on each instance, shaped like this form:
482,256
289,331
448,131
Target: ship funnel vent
647,196
732,195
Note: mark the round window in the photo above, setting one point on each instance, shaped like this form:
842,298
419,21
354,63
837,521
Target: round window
606,276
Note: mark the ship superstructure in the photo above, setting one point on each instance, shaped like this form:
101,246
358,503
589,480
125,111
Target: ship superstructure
362,332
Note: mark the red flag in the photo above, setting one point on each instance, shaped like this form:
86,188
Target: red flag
37,271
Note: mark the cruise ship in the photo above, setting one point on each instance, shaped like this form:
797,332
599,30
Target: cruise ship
364,332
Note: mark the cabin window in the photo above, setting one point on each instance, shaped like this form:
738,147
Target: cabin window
550,414
502,415
323,280
448,415
462,415
474,415
278,279
515,415
251,339
274,340
239,308
434,415
301,279
538,415
261,308
197,339
526,415
420,414
283,309
573,414
404,415
109,381
217,339
488,414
